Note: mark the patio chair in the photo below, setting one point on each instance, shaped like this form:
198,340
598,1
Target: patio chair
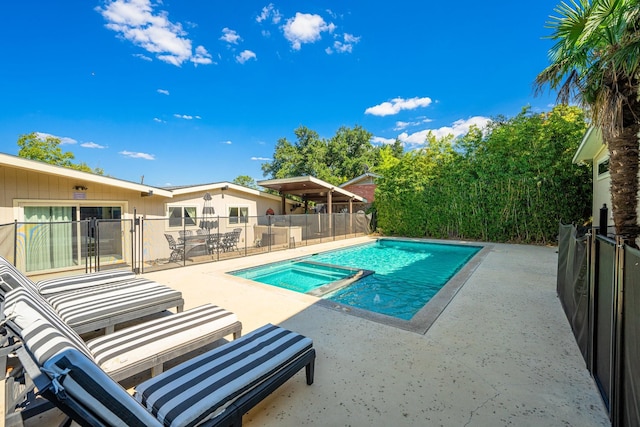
230,240
177,250
215,388
92,302
215,242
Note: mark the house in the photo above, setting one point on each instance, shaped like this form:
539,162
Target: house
90,210
364,186
593,150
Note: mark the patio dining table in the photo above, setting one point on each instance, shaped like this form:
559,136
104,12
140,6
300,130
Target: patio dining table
200,243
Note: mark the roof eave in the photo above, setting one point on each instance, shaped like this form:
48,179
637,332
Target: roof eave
589,147
42,167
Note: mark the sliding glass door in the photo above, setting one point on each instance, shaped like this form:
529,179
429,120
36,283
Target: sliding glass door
49,239
58,237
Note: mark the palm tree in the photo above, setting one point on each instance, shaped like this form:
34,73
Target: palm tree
595,61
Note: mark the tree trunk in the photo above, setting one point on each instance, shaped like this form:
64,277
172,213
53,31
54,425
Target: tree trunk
623,168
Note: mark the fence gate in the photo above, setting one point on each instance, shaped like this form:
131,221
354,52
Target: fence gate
111,243
603,314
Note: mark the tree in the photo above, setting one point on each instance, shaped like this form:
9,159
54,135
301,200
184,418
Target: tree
349,153
34,147
246,181
595,60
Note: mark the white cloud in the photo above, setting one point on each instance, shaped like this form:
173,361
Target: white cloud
416,138
419,138
155,119
137,155
186,116
305,28
457,128
63,139
91,145
270,11
462,126
245,55
230,36
143,57
345,46
262,159
226,142
396,105
381,140
163,91
403,125
201,56
137,22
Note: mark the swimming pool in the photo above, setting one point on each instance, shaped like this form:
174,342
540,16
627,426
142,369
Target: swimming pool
390,277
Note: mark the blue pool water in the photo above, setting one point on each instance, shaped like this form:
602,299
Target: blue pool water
406,275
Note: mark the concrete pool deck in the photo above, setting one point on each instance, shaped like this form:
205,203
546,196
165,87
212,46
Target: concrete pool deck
501,353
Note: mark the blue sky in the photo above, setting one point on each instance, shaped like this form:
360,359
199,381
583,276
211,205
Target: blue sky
191,92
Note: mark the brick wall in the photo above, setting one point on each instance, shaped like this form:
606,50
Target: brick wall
364,190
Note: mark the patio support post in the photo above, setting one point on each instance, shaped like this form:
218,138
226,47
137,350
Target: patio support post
330,210
283,208
350,216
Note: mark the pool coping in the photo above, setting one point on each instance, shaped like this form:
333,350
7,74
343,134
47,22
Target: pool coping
429,313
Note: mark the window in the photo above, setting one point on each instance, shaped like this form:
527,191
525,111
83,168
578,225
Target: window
238,214
603,167
178,214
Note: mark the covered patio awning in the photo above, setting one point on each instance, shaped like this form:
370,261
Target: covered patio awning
312,189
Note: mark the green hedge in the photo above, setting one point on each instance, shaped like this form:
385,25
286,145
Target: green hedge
511,183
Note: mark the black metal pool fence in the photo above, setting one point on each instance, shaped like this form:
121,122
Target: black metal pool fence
148,244
599,287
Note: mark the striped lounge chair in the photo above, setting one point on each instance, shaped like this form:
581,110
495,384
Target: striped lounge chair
99,300
215,388
135,349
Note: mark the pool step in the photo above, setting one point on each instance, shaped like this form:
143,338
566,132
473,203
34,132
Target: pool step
339,284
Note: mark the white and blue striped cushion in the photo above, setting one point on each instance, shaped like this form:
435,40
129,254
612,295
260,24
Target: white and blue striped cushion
204,386
100,305
83,281
135,345
107,301
12,278
40,327
84,381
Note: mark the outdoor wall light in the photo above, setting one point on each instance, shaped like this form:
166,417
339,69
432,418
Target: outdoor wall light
80,188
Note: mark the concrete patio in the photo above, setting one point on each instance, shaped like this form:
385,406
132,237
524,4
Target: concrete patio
502,352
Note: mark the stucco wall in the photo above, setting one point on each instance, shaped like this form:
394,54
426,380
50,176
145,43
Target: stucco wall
601,188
